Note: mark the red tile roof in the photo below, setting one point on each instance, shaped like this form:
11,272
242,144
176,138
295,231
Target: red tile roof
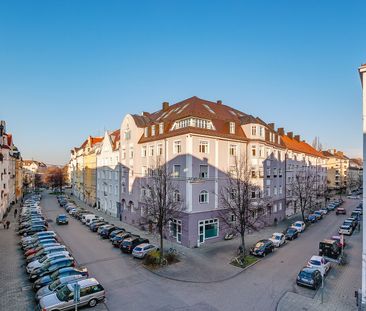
300,146
115,137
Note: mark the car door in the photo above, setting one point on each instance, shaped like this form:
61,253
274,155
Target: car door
85,295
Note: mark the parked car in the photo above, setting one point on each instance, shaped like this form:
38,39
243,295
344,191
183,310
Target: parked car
299,226
353,222
340,211
33,229
319,214
101,228
329,248
331,206
319,263
324,211
311,218
262,248
51,267
130,243
47,250
40,247
91,292
39,243
346,229
55,285
291,233
45,280
353,197
62,219
104,233
309,277
115,232
36,264
118,239
95,226
36,236
140,251
86,217
357,215
278,239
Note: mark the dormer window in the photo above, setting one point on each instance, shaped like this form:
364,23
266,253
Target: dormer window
254,130
232,127
146,132
161,128
193,122
261,131
152,130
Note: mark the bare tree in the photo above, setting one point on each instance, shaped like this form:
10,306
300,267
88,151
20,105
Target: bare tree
242,201
162,200
316,144
303,189
38,181
55,177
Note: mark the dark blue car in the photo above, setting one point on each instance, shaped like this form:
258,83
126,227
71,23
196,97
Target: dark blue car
62,219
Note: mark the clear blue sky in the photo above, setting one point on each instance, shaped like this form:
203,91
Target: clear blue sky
73,68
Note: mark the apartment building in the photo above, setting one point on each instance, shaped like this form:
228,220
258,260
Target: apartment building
199,141
108,174
9,155
337,170
354,175
300,159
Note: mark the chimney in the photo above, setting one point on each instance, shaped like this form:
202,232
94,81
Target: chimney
290,134
145,114
271,125
219,102
165,106
297,137
281,131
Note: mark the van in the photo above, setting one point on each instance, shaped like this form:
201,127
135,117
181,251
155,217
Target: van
86,219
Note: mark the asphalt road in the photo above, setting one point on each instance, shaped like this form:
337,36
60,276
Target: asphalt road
130,287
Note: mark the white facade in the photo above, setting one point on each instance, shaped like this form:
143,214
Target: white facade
108,174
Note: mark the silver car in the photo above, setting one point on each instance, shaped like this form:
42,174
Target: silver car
55,285
46,258
91,292
140,251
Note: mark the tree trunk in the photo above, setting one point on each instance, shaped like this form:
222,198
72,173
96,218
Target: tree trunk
242,243
161,244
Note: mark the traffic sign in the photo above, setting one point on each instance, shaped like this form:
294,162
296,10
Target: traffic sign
76,292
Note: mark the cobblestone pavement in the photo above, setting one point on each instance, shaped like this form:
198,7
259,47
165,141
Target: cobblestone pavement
16,292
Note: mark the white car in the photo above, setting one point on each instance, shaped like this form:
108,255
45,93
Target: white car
299,226
345,229
319,263
278,239
324,211
353,197
140,251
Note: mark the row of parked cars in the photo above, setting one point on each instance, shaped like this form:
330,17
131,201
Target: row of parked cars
318,265
330,250
51,267
126,241
351,223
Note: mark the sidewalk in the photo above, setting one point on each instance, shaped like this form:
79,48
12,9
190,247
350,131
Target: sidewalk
193,266
16,291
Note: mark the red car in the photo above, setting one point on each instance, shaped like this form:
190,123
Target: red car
35,250
340,211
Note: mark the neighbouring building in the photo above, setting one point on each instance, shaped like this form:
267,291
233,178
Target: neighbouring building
9,157
108,174
32,169
337,170
354,175
90,170
301,159
199,141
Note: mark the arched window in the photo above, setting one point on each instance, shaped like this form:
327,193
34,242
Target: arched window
203,197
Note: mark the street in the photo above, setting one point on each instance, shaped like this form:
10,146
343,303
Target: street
129,286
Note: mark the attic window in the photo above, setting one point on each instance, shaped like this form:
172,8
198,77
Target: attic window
209,109
233,113
146,131
152,130
232,127
161,128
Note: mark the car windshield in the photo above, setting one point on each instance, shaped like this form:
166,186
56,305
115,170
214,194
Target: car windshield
54,284
63,293
291,231
259,245
345,227
127,243
276,237
305,274
55,275
138,249
43,259
297,225
62,216
315,262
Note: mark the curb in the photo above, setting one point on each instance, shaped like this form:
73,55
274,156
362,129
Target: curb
202,282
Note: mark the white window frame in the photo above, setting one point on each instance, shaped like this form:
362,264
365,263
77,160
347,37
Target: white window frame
153,130
161,128
143,151
233,150
177,144
175,171
200,171
203,147
203,194
232,127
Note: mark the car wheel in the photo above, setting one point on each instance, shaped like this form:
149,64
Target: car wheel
92,303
